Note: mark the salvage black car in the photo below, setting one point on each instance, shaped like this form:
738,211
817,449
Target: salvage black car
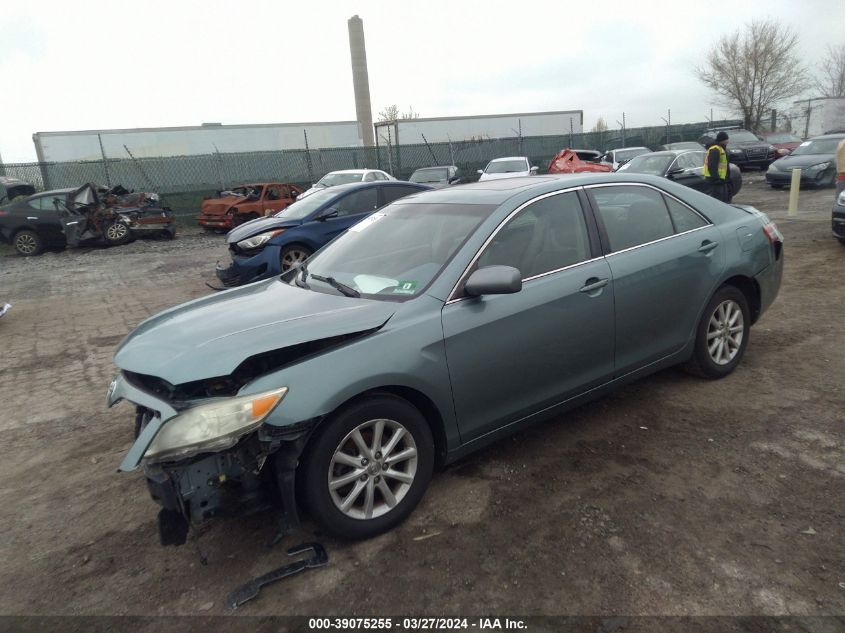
68,217
744,148
685,167
11,188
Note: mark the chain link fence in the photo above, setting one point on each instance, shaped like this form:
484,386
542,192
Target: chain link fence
185,180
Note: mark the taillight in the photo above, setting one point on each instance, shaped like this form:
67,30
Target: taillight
772,232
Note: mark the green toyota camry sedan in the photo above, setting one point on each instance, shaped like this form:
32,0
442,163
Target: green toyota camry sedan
434,326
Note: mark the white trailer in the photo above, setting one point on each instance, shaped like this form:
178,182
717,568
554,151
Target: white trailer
479,127
209,138
819,115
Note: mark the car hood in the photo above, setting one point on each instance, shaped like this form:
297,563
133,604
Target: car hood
259,225
791,162
513,174
211,336
219,206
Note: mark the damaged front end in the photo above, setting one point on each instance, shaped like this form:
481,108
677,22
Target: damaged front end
212,459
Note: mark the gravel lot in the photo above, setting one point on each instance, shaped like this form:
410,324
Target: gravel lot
674,496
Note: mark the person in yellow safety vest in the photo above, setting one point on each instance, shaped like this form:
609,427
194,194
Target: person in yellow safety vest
716,168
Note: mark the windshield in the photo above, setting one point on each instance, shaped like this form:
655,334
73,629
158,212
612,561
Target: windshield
628,154
741,136
304,207
396,252
330,180
817,146
783,138
506,166
648,164
430,175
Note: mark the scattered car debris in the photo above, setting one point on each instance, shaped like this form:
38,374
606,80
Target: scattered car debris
5,308
251,589
809,531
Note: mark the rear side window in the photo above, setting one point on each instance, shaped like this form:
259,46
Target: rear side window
684,218
547,235
362,201
394,193
632,215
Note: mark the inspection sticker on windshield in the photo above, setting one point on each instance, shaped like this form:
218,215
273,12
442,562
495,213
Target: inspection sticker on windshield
368,221
405,288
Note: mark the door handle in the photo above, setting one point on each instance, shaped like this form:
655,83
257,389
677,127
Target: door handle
593,283
707,246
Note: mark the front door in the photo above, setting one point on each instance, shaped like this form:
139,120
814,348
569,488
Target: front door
350,209
513,355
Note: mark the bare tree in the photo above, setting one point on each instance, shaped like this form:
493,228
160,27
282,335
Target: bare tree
391,114
600,126
831,82
754,68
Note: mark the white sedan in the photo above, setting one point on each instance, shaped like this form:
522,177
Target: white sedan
508,167
346,176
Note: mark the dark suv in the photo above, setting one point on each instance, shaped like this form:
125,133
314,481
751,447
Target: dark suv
744,148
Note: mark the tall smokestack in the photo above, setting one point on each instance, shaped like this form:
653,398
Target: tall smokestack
360,79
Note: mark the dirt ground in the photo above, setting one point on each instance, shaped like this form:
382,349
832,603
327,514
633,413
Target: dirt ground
674,496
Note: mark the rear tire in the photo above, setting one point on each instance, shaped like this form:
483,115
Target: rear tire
722,335
774,186
368,467
28,243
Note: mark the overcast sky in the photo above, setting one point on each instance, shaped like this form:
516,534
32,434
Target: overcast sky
90,64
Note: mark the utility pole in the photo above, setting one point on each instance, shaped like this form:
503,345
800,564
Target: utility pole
668,125
308,157
622,125
807,123
105,161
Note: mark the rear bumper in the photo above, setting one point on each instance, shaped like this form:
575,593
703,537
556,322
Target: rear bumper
769,280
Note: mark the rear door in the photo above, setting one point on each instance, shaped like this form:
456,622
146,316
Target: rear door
351,209
513,355
665,259
43,213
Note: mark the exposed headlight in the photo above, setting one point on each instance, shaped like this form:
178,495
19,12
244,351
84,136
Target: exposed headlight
841,198
774,167
819,166
259,240
212,427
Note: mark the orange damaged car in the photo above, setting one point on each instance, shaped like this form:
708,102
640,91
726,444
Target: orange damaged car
244,203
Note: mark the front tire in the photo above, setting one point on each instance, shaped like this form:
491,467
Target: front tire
722,334
28,243
368,467
292,255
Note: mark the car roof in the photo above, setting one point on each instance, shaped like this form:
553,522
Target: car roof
826,136
622,149
671,152
54,191
498,190
496,160
352,171
434,167
351,186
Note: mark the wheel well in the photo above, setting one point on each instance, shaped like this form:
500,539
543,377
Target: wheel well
751,290
299,244
423,404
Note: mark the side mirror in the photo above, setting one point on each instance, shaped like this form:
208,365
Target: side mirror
533,170
480,171
455,181
494,280
331,212
676,171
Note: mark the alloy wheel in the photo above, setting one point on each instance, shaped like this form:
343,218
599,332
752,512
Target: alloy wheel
293,257
116,232
372,469
26,244
725,332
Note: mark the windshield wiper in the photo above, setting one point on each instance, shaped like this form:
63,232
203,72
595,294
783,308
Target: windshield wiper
334,283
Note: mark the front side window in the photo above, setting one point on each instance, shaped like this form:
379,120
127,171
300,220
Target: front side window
632,215
546,235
